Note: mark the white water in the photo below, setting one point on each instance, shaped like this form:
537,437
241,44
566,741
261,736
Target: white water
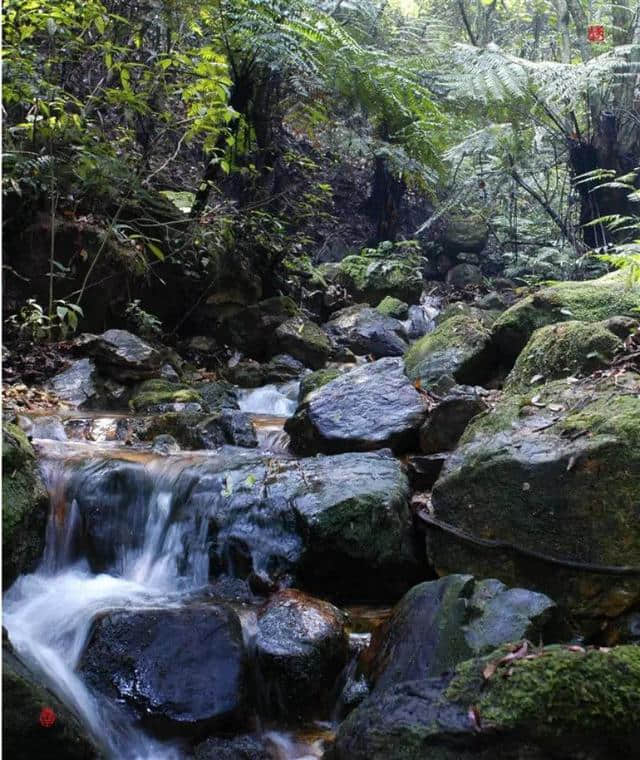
273,400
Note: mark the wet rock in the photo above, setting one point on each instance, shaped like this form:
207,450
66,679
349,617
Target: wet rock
465,276
226,427
236,748
439,624
562,703
562,350
367,331
305,341
78,385
317,379
588,301
372,406
467,232
252,374
121,355
49,427
301,648
493,301
165,444
425,470
374,274
182,671
449,419
25,505
168,373
420,320
393,307
23,735
218,395
327,523
460,346
545,492
251,330
159,396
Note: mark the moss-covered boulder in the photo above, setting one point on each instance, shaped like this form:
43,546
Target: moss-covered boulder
304,340
465,233
393,307
160,396
588,301
542,493
563,349
24,506
317,379
514,704
251,330
459,346
375,273
24,737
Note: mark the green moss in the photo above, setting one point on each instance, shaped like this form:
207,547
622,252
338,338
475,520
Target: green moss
393,307
373,274
157,393
619,417
589,301
563,349
315,380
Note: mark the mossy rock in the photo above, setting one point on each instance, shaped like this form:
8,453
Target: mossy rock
588,301
304,340
162,396
393,307
561,350
543,492
562,702
375,273
459,346
25,506
252,330
315,380
465,233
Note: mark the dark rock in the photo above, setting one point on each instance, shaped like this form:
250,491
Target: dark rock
25,505
226,427
425,470
168,373
465,233
449,419
182,671
121,355
367,331
375,273
317,379
78,385
493,302
439,624
555,484
159,396
251,330
23,736
252,374
373,406
623,327
236,748
218,395
464,276
393,307
301,648
304,340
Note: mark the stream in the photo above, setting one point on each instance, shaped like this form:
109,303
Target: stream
149,557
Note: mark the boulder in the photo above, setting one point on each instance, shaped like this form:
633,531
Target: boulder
301,648
561,702
460,346
121,355
218,395
252,374
439,624
371,407
25,506
226,427
375,273
542,493
468,232
24,736
588,301
180,670
561,350
251,330
159,396
317,379
393,307
449,419
424,470
327,523
465,276
367,331
304,340
78,385
243,747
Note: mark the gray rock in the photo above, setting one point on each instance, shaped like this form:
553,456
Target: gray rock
46,427
303,340
372,406
252,374
236,748
218,395
252,330
464,276
227,427
165,444
467,232
121,354
449,419
78,385
368,331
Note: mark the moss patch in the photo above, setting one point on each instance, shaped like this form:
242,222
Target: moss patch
373,274
393,307
315,380
154,395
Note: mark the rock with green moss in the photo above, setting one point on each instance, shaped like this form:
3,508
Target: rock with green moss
375,273
251,330
160,396
23,735
561,350
542,493
24,506
393,307
560,703
465,233
439,624
459,346
304,340
588,301
317,379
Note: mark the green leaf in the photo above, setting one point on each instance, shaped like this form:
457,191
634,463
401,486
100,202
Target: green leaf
157,252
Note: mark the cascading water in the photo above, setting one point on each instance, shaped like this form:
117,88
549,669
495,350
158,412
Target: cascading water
273,400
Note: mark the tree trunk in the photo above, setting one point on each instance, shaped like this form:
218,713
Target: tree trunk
384,202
